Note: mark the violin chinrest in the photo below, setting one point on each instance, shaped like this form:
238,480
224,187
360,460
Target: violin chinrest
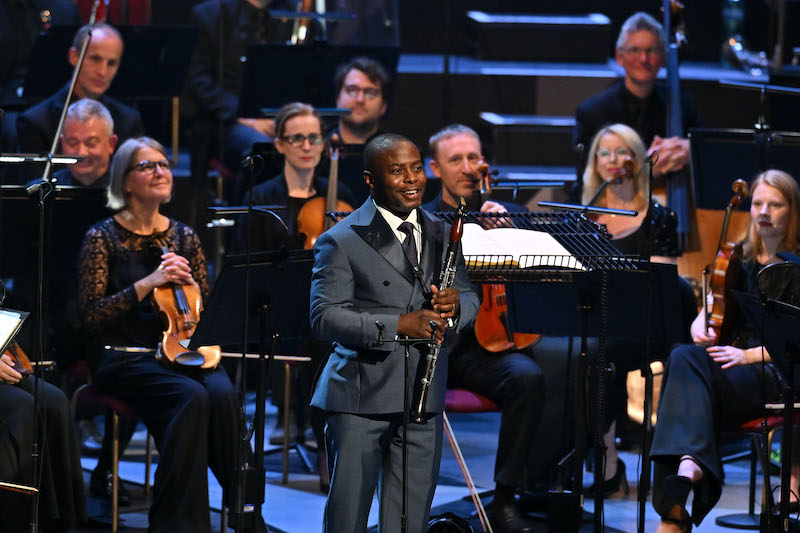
190,358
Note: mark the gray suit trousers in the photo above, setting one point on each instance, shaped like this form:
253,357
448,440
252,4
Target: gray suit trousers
366,451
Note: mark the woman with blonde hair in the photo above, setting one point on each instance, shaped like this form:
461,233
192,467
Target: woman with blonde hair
706,386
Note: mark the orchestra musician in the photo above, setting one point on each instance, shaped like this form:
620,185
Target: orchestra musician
617,155
194,418
638,100
299,139
364,293
362,85
37,126
61,501
706,386
512,378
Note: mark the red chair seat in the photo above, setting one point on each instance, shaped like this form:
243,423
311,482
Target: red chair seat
89,394
465,401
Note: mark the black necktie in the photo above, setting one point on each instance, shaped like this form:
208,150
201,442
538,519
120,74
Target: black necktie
410,244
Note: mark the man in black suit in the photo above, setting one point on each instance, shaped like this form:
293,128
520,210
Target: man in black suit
512,378
37,125
638,100
372,282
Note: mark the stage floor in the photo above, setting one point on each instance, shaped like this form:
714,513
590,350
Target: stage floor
298,506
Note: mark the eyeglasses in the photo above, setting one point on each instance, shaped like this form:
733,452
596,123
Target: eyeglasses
621,152
149,167
298,139
636,50
370,93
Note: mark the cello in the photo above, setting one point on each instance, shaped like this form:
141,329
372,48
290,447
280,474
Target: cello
723,274
492,325
180,306
311,219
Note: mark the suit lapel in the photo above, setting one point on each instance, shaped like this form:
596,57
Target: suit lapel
382,239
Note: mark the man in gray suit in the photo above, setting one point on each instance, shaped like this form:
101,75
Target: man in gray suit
373,281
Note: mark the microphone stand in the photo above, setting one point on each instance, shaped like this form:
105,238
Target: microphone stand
44,187
406,343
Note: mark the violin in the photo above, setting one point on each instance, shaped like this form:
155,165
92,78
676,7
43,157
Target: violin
723,275
311,220
301,26
484,186
21,362
180,306
492,325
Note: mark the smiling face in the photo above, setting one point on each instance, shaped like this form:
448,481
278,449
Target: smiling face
398,180
641,57
303,155
611,153
455,163
770,211
92,140
100,64
148,186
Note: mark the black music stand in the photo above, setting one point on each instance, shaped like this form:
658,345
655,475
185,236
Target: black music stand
719,156
275,278
778,323
578,306
306,74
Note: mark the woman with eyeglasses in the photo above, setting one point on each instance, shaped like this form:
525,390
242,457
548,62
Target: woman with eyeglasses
298,137
617,157
194,418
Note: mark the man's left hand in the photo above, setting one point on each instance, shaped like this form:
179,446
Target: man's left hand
673,154
492,207
445,302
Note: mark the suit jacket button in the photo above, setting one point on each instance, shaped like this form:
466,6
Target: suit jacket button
386,283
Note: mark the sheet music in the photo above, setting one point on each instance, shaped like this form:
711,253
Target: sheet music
10,323
525,248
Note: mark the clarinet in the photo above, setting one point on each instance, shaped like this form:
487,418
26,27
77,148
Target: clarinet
446,278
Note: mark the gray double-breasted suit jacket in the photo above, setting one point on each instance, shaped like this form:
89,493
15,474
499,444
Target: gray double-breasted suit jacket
361,276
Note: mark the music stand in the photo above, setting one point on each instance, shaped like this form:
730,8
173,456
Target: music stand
778,323
720,155
306,73
275,278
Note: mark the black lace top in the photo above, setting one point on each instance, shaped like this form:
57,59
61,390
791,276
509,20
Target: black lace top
658,235
112,259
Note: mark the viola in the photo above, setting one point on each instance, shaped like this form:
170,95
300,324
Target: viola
180,307
492,325
312,220
724,275
21,362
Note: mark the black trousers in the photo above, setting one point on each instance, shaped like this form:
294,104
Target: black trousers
697,399
195,422
61,502
515,382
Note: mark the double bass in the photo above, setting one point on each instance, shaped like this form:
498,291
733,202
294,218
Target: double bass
180,306
719,317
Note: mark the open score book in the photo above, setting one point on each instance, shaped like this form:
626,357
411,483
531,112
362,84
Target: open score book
514,247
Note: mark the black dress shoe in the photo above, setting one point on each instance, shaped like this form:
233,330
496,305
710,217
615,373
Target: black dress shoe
100,487
508,519
612,485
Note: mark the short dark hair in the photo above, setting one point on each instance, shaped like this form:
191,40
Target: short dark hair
377,146
372,69
80,35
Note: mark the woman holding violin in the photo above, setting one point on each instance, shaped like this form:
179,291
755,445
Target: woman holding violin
193,416
298,137
706,385
61,501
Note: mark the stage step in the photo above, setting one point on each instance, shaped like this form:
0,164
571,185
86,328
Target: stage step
550,38
529,139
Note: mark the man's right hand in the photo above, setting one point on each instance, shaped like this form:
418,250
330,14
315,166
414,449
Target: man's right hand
417,324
